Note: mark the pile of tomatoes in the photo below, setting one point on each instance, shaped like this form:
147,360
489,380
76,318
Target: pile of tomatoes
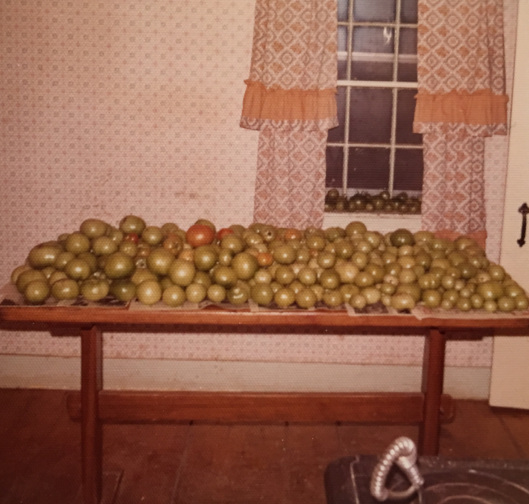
365,202
272,267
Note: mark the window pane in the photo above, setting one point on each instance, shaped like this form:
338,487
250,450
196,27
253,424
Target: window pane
343,10
373,49
338,134
334,159
368,168
342,52
408,170
407,70
374,10
408,11
370,115
405,114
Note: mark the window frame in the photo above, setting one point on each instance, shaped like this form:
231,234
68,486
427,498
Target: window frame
394,85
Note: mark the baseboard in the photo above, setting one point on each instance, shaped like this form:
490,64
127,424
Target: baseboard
21,371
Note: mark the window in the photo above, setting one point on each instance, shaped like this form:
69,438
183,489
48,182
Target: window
374,160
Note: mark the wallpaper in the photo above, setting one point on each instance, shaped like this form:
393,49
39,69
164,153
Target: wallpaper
110,108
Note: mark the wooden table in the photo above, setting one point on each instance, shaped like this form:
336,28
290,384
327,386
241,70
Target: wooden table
94,405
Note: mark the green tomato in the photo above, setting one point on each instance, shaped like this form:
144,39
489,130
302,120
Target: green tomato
245,265
174,296
93,228
431,298
44,255
153,235
36,292
159,261
196,292
27,276
205,257
104,245
216,293
306,298
94,289
149,292
262,293
403,301
123,290
238,294
182,272
77,269
224,275
506,304
284,297
77,242
119,265
65,288
333,298
132,224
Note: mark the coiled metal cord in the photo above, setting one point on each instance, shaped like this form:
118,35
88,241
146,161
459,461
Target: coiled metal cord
402,452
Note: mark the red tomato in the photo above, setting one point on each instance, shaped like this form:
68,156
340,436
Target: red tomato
200,234
292,234
132,237
265,258
223,232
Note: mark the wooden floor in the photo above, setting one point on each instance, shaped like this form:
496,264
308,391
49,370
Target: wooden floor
213,463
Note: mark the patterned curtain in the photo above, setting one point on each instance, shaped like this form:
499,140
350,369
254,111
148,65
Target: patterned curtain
461,100
291,99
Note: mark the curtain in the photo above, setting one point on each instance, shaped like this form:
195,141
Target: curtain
461,100
290,98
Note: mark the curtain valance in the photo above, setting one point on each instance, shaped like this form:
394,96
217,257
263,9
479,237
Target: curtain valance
298,108
483,112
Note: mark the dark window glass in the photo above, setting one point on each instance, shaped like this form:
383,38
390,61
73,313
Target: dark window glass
373,49
405,114
368,168
334,158
342,52
374,10
338,134
370,115
343,10
408,11
407,69
408,170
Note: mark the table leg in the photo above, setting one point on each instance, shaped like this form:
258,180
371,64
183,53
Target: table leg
432,388
91,428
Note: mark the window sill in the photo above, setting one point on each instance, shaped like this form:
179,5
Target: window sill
383,223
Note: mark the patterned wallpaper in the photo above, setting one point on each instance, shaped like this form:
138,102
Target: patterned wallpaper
109,108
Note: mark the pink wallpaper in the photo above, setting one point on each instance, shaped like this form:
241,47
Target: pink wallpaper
109,108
